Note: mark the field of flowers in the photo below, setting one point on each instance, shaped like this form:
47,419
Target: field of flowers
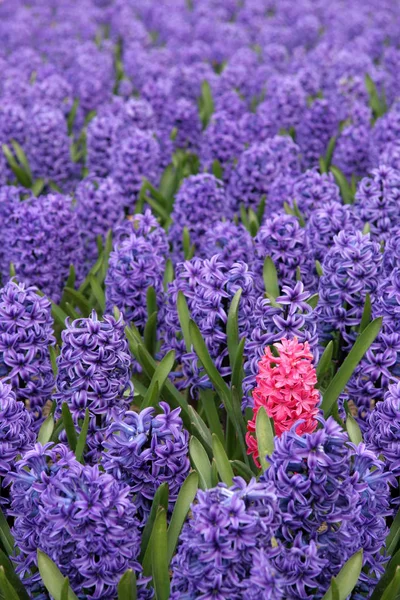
199,300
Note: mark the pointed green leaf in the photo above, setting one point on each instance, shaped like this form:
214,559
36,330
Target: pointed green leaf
232,329
160,563
347,578
81,441
206,104
186,496
201,429
150,334
98,293
325,362
313,300
366,316
37,187
151,301
65,589
22,158
6,587
13,577
212,413
237,368
387,577
392,591
58,314
127,589
265,437
46,430
188,249
366,229
217,170
329,152
223,465
53,359
201,462
339,382
159,378
241,469
394,535
69,426
271,278
52,577
184,318
318,268
353,430
168,273
79,300
261,208
72,115
20,174
6,536
345,189
160,499
254,225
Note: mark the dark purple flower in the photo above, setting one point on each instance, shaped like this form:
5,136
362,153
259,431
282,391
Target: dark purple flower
351,270
221,142
99,207
209,287
259,167
282,239
325,222
145,450
314,190
382,433
134,156
73,513
16,431
136,263
231,242
42,241
94,369
26,332
331,493
48,144
228,526
200,202
377,201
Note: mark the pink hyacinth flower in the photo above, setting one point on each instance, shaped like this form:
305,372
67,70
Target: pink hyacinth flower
286,389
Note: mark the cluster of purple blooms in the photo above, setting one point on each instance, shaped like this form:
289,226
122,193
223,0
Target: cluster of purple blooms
196,139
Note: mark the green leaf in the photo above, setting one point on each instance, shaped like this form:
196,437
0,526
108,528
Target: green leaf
81,441
223,465
64,589
160,563
387,577
69,426
201,462
46,430
366,316
37,187
159,378
186,496
254,225
168,274
151,301
188,250
6,536
13,577
98,293
217,170
20,174
53,359
325,362
347,578
345,188
20,154
232,329
160,499
58,314
261,208
353,430
201,429
298,214
360,347
184,319
265,437
237,368
335,589
313,300
79,300
318,268
241,469
206,104
329,152
377,104
150,334
127,586
393,589
52,577
270,276
72,115
6,587
366,229
212,413
394,535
